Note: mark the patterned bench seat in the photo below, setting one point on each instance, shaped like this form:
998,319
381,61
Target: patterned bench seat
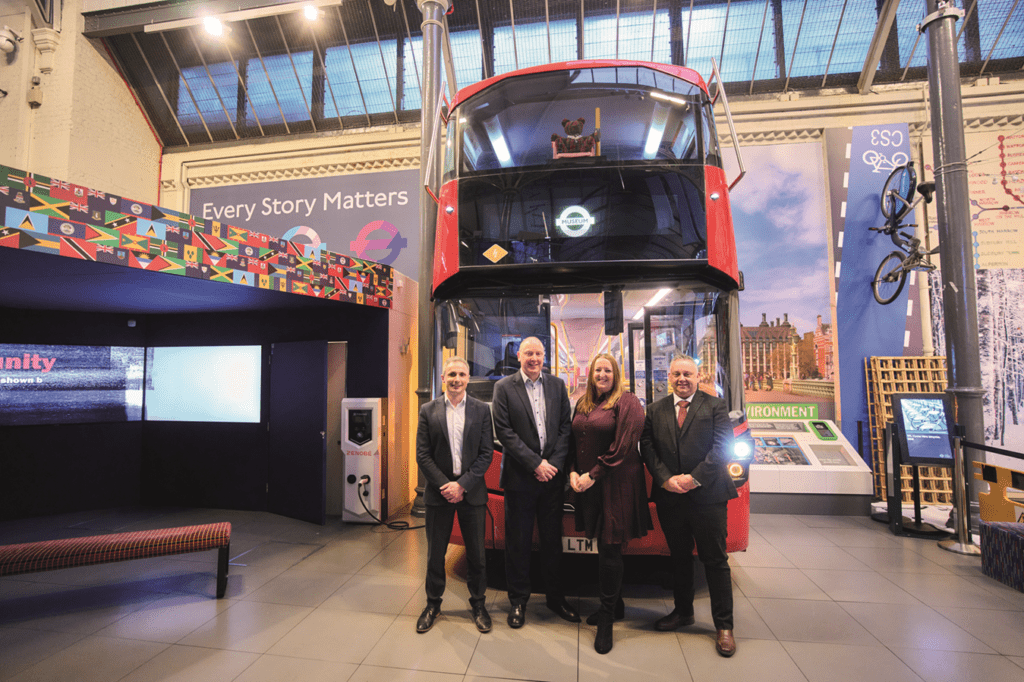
48,555
1002,552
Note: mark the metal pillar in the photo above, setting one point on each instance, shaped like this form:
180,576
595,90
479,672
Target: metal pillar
959,290
433,12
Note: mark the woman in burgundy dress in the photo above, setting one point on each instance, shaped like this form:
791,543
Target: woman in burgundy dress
608,476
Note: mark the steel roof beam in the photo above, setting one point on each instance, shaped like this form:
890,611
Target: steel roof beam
886,17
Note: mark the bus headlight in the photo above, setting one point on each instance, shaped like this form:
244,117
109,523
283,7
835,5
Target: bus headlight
735,470
741,450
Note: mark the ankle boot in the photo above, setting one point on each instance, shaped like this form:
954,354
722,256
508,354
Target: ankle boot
603,640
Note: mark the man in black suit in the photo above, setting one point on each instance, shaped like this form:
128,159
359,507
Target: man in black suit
686,443
454,447
531,419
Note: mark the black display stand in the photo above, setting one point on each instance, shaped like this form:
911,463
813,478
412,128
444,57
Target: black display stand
898,523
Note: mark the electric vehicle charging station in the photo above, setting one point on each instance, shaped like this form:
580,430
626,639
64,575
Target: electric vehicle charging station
363,436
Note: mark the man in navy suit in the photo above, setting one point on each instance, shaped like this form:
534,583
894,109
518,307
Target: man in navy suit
531,419
686,443
454,447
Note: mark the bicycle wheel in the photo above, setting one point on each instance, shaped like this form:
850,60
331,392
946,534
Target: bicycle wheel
889,278
899,187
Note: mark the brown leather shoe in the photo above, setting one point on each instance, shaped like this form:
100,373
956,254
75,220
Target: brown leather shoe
725,644
672,621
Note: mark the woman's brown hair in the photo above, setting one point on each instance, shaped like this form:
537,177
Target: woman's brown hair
591,399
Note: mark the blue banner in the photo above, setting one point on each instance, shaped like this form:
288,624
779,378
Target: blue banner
866,328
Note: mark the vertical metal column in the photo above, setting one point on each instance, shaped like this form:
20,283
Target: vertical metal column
959,290
433,11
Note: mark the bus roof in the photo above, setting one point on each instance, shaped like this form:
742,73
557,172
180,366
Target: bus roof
683,72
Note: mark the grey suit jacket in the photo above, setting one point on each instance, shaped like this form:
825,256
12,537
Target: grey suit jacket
517,430
701,448
434,452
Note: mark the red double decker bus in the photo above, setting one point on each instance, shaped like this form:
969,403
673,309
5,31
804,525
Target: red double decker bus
585,203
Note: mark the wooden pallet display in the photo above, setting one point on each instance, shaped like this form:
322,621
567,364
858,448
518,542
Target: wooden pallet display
886,376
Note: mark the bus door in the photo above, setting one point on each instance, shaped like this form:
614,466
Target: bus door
667,332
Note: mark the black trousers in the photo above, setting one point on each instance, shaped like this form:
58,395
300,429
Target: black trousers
705,525
439,521
542,505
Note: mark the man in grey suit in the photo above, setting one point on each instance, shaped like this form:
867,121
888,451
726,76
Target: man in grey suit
531,419
454,447
686,443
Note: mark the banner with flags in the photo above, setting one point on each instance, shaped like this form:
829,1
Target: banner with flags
43,214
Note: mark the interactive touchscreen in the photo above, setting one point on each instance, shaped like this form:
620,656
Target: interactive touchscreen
923,427
203,383
50,384
778,450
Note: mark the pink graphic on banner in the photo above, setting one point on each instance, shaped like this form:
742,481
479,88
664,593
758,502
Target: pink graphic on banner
395,241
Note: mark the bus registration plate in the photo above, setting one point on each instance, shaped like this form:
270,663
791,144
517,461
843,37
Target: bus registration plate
572,545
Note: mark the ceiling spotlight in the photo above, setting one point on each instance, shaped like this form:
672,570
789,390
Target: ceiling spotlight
213,26
9,39
311,12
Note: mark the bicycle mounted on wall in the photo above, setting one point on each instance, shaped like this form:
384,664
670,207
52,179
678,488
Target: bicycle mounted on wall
897,200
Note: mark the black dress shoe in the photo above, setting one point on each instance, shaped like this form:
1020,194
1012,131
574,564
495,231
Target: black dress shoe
426,620
517,617
481,619
620,613
673,621
564,611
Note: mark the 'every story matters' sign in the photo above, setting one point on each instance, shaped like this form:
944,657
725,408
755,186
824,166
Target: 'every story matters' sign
374,216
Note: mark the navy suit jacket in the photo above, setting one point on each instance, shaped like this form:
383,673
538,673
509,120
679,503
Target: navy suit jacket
517,430
434,452
700,448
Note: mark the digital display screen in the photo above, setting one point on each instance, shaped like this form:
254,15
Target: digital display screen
51,384
921,421
203,383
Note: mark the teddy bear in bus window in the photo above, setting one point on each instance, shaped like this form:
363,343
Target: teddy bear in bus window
574,143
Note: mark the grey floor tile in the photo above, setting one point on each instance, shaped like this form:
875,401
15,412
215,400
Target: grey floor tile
270,668
192,664
815,521
21,648
445,648
762,521
343,636
342,556
846,663
372,673
546,653
861,537
914,627
299,588
1001,630
1019,660
81,609
861,586
895,559
399,563
760,556
950,590
811,621
1012,598
794,536
92,659
636,655
761,660
168,619
959,666
247,626
833,558
374,594
776,583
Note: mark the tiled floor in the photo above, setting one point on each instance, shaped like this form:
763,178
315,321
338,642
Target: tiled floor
817,598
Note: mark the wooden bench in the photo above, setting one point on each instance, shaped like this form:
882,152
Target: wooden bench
49,555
